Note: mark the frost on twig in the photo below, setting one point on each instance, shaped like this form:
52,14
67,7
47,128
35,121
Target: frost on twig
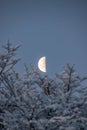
37,102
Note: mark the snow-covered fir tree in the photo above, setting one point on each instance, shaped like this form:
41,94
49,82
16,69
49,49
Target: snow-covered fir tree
36,102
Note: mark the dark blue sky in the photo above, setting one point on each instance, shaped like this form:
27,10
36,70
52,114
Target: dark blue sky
54,28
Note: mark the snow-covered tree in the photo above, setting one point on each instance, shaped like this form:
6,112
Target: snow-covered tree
36,102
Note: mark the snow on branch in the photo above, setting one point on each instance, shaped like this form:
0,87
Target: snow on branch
37,102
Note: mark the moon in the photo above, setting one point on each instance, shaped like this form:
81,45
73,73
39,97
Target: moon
42,64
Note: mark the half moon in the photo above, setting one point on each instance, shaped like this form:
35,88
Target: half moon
42,64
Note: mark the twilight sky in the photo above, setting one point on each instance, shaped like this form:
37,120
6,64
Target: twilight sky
56,29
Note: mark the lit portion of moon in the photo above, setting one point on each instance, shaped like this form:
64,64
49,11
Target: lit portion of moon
42,64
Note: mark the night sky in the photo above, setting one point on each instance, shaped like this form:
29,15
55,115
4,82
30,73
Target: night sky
56,29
